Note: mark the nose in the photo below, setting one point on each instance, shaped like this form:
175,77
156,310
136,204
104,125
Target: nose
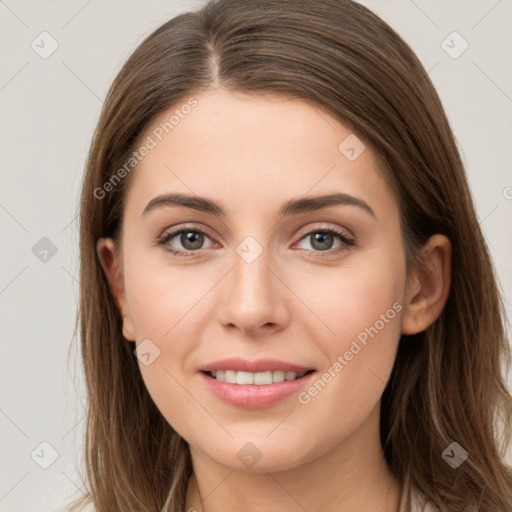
254,297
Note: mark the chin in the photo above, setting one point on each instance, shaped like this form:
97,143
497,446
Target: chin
257,454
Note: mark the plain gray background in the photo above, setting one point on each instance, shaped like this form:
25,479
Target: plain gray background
49,108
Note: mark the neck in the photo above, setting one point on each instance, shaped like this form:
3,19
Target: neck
351,476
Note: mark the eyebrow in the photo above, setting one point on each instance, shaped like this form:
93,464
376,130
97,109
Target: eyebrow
291,207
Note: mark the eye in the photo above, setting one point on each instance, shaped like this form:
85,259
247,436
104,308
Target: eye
322,240
191,240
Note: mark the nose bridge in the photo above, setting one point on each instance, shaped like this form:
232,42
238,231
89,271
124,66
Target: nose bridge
251,283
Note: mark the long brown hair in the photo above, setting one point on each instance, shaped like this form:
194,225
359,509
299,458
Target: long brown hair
446,385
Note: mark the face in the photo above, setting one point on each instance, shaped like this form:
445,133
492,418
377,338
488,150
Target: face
262,281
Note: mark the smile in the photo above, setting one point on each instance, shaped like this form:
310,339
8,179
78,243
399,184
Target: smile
250,390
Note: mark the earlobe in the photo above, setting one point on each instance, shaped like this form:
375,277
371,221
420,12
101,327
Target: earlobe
111,265
429,287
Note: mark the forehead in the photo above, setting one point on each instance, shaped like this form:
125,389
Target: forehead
249,147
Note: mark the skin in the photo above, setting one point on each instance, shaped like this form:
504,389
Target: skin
295,302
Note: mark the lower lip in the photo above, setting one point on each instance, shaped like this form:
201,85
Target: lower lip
252,396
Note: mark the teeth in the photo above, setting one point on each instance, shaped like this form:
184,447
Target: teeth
258,378
244,378
263,378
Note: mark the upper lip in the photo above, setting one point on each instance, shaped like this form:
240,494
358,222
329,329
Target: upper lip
261,365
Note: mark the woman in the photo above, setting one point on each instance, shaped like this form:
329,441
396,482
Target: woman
286,298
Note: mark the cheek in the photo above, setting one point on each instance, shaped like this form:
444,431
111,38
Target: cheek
167,308
348,300
362,309
162,299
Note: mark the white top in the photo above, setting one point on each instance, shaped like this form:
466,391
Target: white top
419,502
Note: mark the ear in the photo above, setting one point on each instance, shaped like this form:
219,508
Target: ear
428,288
109,260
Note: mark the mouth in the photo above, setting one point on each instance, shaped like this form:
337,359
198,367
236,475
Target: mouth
244,378
254,384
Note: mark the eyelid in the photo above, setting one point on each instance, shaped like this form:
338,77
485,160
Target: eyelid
176,230
325,227
190,226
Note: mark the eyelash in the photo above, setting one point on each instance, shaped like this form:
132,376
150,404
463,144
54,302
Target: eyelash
346,241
